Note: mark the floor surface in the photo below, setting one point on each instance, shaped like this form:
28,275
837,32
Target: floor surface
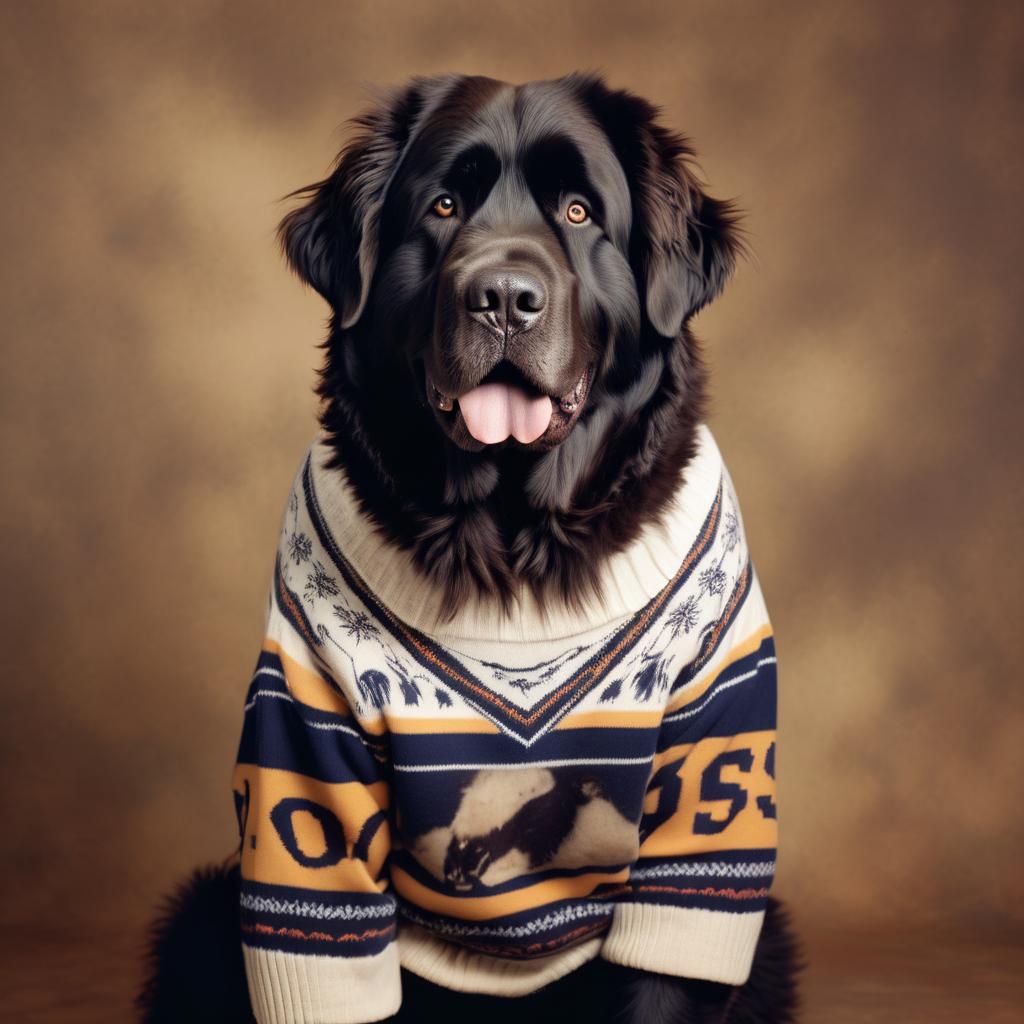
860,978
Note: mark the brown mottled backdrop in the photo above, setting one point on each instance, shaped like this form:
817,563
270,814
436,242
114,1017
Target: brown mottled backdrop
155,398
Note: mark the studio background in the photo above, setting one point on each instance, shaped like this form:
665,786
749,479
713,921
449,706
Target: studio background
156,397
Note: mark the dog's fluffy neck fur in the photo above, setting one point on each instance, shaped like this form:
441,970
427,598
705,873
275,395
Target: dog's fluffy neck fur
478,526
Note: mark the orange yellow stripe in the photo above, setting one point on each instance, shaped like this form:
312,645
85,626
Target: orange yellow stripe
408,725
611,720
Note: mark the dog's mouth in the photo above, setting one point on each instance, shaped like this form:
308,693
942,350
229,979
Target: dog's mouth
505,404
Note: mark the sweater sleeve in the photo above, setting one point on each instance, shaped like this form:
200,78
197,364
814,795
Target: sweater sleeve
311,795
697,892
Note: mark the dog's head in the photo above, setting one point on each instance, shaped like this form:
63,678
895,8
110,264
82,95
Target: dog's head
510,249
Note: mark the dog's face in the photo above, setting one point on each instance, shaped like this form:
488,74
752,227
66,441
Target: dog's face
507,249
504,264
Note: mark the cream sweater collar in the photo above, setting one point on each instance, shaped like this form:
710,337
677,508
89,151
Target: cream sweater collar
629,578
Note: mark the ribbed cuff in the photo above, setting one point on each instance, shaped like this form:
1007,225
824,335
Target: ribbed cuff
289,988
462,970
686,942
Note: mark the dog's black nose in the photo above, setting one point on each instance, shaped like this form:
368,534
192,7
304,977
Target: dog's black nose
508,299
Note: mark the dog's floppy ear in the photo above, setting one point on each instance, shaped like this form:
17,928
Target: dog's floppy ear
331,240
689,241
683,243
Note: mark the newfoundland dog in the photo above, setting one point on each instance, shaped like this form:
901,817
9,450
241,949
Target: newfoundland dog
512,388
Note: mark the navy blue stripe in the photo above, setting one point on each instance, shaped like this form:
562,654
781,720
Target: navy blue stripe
278,734
500,749
267,683
727,710
268,659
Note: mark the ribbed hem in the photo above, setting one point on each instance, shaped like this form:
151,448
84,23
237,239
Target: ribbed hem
686,942
462,970
288,988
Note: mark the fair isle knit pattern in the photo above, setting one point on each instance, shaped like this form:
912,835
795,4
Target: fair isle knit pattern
493,800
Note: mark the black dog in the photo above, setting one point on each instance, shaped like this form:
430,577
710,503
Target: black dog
550,242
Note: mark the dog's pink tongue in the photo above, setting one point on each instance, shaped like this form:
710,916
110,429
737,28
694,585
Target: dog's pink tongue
493,412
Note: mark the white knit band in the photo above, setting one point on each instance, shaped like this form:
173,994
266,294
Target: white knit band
289,988
685,942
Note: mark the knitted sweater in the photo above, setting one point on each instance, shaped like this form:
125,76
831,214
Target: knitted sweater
495,800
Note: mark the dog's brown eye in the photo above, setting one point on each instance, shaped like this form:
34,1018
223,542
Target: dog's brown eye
445,206
576,213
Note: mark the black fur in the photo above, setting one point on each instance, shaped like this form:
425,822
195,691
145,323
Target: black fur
197,977
194,968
